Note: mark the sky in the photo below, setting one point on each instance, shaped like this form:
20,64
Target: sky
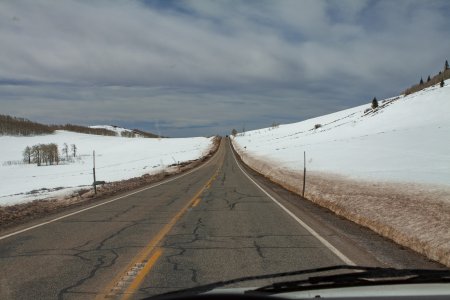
199,68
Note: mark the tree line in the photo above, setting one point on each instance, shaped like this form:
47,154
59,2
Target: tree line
15,126
438,78
146,134
10,125
48,154
84,129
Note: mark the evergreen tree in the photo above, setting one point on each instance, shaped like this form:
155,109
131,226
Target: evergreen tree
374,103
442,82
446,65
421,81
429,78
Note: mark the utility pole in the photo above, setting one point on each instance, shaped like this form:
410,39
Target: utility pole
93,169
304,173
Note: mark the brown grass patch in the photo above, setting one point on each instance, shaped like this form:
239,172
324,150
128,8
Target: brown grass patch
436,79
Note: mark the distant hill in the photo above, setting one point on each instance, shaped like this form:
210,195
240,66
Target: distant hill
147,134
84,129
127,132
15,126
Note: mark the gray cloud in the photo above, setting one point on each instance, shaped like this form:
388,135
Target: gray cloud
202,67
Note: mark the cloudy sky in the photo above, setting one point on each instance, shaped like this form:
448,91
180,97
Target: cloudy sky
185,68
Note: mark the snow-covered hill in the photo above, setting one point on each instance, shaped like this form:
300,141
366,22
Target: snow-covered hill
387,169
117,158
118,130
407,139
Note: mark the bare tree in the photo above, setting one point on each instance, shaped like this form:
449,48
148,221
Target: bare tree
36,154
21,127
54,154
45,154
84,129
65,151
74,150
128,134
27,155
42,153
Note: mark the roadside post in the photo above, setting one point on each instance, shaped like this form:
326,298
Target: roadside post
93,169
304,173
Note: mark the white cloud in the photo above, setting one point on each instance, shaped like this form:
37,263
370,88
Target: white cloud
294,51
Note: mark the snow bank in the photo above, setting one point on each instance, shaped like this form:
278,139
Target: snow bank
387,169
117,158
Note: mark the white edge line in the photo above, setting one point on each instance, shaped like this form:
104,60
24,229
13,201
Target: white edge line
106,202
333,249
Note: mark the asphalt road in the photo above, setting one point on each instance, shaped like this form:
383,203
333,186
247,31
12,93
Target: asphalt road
211,224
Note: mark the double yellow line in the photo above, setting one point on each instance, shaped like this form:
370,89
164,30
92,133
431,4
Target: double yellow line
150,254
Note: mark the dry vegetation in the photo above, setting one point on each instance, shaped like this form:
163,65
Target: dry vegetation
412,215
22,127
42,153
84,129
146,134
433,81
15,126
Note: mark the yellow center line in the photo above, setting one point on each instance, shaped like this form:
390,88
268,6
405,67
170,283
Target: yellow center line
151,246
197,201
140,277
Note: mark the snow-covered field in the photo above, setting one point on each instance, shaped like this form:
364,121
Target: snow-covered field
117,158
387,169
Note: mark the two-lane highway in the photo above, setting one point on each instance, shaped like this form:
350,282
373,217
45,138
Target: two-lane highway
235,230
209,225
